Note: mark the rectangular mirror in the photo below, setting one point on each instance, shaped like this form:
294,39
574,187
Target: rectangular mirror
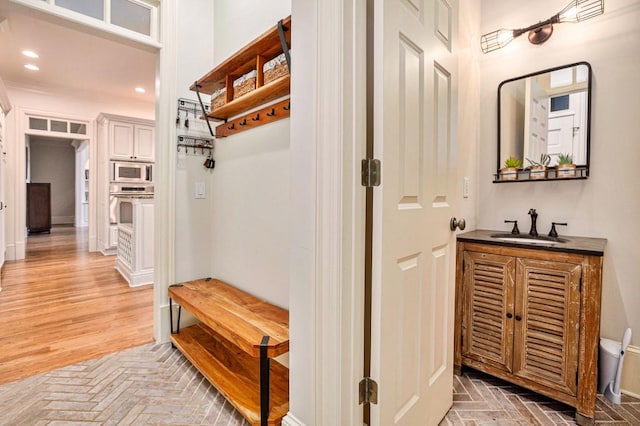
546,112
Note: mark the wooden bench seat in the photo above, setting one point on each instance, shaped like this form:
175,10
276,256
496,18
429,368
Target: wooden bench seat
226,346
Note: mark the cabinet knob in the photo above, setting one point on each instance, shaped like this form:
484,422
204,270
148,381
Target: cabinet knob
509,315
518,317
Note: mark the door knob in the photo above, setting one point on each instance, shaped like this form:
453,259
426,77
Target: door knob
457,223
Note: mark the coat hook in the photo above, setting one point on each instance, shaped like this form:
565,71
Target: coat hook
178,147
233,126
256,118
243,122
288,107
272,113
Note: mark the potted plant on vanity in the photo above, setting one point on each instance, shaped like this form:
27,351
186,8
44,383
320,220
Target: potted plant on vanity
538,170
565,167
510,169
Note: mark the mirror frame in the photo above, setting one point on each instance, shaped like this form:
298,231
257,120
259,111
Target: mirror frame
588,135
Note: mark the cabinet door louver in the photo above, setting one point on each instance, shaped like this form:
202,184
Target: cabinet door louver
488,333
546,338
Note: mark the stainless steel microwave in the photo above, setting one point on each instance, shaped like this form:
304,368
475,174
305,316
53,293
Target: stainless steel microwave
123,171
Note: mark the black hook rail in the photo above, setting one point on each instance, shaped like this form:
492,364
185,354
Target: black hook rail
195,144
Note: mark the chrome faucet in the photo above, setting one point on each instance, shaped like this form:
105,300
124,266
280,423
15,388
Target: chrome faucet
534,216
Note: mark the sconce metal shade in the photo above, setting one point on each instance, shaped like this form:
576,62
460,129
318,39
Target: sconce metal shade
575,11
496,40
581,10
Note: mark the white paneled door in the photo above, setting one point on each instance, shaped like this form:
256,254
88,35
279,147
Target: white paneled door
414,249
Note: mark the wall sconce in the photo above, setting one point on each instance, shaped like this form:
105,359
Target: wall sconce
575,11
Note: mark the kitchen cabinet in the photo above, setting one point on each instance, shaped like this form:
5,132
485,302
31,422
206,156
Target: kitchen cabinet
39,207
531,316
118,138
131,142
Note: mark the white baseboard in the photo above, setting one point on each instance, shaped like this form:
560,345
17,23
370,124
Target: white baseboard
63,220
135,279
631,372
10,252
291,420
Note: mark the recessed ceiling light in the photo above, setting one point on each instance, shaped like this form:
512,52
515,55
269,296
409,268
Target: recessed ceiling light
30,54
140,90
32,67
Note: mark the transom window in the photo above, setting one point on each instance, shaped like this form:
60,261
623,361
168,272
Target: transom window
140,16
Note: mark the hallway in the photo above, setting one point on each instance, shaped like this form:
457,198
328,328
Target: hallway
63,305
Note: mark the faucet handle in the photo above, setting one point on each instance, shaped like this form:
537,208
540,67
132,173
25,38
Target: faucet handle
515,229
553,233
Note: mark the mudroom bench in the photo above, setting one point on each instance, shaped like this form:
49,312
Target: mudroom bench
233,345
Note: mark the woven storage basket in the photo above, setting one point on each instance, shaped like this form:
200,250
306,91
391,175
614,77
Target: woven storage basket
218,98
244,84
275,68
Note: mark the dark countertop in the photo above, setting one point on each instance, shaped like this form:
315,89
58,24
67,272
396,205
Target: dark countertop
581,245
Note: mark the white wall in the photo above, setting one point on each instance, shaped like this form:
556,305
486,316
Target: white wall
608,203
194,51
84,106
55,162
249,218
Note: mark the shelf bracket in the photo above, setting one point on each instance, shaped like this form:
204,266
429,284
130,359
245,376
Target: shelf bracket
283,41
206,116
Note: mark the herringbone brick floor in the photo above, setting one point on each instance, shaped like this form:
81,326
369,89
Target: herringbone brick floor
154,385
479,399
147,385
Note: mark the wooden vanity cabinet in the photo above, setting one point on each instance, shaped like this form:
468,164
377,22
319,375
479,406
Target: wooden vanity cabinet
531,317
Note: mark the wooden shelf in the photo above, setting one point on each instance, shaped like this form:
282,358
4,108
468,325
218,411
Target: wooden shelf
267,46
239,317
234,373
273,90
252,57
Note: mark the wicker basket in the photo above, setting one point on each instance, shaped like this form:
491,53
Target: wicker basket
275,68
244,84
218,98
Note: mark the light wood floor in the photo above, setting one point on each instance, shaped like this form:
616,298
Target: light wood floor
62,305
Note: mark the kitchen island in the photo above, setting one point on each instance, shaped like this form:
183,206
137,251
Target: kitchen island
134,258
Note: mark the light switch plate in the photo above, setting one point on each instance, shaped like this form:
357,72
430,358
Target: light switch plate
200,190
465,188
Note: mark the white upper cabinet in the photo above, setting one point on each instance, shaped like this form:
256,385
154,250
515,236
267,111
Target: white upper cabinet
131,141
144,143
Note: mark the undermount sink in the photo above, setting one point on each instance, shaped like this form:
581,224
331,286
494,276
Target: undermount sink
528,239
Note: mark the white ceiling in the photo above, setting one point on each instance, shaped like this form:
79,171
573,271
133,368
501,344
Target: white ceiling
71,59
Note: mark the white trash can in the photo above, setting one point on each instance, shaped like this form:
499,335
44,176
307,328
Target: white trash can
609,356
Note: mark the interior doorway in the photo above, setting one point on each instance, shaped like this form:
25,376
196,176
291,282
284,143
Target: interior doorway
63,164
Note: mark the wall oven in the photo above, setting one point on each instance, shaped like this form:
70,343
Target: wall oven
122,171
120,195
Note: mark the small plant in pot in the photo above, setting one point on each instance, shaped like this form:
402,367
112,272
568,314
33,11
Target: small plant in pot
538,170
565,167
510,169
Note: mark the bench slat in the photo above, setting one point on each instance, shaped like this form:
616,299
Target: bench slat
237,316
234,373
